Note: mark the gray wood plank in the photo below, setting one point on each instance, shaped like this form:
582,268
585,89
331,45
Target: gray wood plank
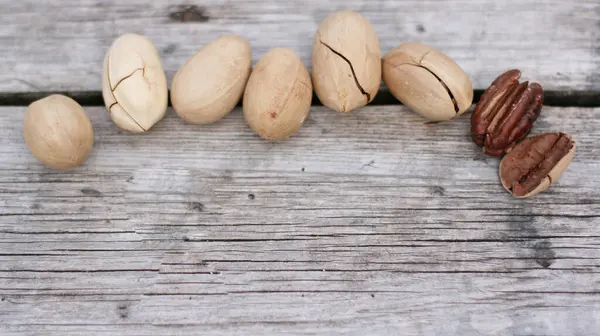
52,45
373,223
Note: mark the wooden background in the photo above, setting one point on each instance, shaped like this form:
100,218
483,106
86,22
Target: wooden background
368,223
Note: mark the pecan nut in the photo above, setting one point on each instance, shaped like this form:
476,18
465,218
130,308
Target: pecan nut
505,113
536,163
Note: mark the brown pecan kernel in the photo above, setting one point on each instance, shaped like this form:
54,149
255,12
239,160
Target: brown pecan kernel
535,163
505,113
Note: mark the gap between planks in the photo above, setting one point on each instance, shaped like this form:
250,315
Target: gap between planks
383,97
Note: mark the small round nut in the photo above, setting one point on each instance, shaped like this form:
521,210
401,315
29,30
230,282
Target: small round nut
427,81
346,61
134,84
58,132
278,95
211,83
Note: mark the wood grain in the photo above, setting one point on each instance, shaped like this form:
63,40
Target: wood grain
55,45
373,222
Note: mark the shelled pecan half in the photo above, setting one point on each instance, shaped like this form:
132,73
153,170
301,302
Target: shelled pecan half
505,113
536,163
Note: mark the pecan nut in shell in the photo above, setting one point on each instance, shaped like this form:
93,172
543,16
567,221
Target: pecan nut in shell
505,113
536,163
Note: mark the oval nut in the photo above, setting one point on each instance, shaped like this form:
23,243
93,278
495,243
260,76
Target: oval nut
346,61
134,85
427,81
58,132
211,83
278,95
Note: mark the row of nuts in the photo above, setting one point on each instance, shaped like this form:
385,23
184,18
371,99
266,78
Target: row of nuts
347,71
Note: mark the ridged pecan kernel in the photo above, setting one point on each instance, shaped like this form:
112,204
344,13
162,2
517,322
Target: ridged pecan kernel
505,113
536,163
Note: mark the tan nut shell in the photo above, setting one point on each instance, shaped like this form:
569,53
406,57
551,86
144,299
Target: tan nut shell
346,61
134,85
410,70
553,176
210,84
278,95
58,132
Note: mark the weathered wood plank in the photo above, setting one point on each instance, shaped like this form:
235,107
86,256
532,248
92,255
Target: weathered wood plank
366,223
59,45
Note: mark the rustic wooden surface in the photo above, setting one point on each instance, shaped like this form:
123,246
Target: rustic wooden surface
369,223
50,45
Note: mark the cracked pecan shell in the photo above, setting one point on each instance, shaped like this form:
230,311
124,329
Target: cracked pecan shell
346,61
427,81
134,84
505,113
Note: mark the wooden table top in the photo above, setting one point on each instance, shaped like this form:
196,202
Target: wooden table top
373,222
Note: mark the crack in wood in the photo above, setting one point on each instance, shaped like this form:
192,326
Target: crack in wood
187,13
